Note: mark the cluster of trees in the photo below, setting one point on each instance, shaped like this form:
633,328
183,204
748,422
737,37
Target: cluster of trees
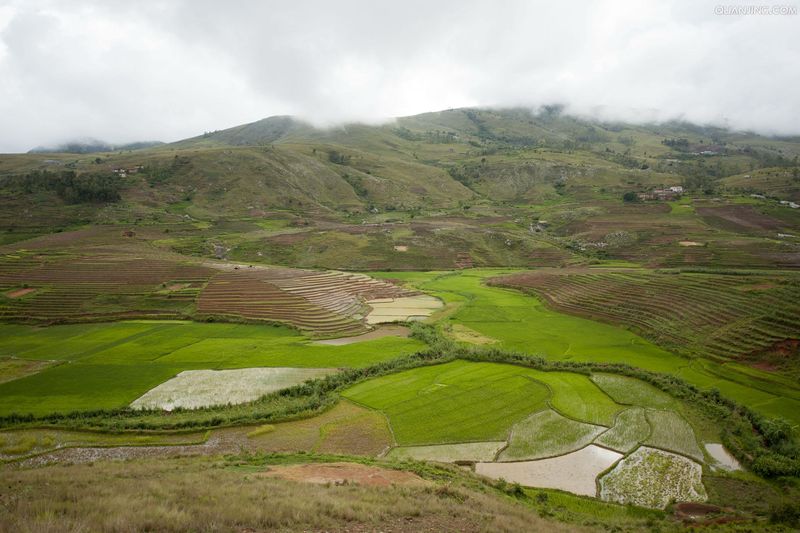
337,157
430,136
157,173
357,183
70,186
678,144
467,174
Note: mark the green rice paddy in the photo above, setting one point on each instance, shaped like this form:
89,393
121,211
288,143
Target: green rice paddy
110,365
453,402
546,434
630,429
522,322
671,432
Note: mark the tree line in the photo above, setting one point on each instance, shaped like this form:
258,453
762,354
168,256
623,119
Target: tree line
73,188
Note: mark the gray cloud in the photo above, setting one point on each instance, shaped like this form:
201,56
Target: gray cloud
123,71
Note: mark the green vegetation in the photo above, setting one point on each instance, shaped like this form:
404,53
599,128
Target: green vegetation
671,432
575,396
630,429
12,368
547,434
71,187
763,305
525,324
630,391
669,322
14,443
448,453
110,365
454,402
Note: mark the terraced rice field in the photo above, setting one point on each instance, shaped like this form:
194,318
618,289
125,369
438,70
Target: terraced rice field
671,432
12,368
449,453
577,397
111,284
521,322
345,429
652,478
630,429
724,316
15,444
204,388
384,310
575,472
462,411
454,402
464,401
630,391
326,303
102,286
111,365
547,434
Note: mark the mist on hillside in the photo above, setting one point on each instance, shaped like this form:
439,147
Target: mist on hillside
174,70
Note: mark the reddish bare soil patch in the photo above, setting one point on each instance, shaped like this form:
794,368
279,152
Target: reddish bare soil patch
19,293
787,348
703,514
345,473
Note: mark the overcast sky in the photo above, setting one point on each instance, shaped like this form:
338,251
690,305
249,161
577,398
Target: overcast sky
124,71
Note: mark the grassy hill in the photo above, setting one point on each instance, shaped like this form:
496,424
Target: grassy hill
453,188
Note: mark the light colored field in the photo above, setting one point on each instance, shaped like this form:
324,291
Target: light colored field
652,478
203,388
18,443
402,309
671,432
345,429
575,472
631,391
547,434
449,453
379,333
12,368
462,333
629,430
725,460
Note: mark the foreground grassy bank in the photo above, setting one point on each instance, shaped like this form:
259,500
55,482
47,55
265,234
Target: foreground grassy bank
173,495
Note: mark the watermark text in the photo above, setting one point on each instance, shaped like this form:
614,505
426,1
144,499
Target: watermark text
757,10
